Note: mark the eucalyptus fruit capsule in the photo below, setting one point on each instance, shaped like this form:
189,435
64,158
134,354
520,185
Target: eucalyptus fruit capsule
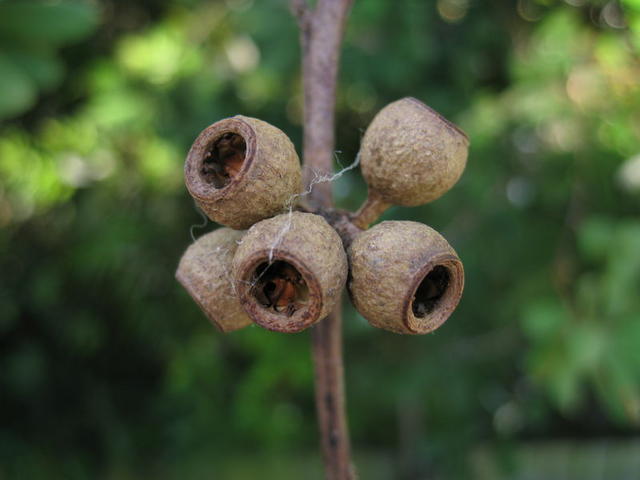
405,277
411,155
241,170
205,272
290,271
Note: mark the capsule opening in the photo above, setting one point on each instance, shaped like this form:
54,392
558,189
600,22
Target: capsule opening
279,287
224,159
430,291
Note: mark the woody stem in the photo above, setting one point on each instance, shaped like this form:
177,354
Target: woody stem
370,211
321,30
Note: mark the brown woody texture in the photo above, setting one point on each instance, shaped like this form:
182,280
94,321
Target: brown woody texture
410,154
205,272
308,243
270,174
388,264
321,29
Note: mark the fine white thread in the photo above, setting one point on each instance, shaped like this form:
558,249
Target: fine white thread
205,221
289,205
227,273
317,178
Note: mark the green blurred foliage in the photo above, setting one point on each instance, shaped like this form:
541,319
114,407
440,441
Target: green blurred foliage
108,370
31,33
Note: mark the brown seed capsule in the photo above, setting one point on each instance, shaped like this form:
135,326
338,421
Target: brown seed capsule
290,271
411,155
241,170
405,277
205,272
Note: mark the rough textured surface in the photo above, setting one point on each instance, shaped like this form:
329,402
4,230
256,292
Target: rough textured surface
321,30
307,242
388,263
269,176
205,272
411,155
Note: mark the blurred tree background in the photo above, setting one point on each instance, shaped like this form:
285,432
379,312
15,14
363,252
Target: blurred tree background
109,370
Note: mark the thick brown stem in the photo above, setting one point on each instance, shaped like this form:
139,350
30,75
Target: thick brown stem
321,32
321,49
370,211
326,340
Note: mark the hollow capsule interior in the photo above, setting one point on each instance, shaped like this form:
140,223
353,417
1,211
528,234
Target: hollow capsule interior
430,292
224,159
279,287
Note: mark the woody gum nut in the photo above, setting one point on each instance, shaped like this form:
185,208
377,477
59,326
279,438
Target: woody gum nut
411,155
405,277
241,170
205,272
290,271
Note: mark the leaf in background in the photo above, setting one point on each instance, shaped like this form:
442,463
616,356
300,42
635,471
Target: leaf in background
632,4
594,238
45,70
622,276
586,346
46,23
552,367
18,90
619,390
626,342
30,32
544,320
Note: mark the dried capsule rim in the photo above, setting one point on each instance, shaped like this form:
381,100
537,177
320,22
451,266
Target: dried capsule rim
301,319
198,187
441,117
446,304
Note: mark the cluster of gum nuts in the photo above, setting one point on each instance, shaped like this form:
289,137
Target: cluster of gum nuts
284,266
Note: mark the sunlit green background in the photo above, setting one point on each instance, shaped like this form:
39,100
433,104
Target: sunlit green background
109,371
